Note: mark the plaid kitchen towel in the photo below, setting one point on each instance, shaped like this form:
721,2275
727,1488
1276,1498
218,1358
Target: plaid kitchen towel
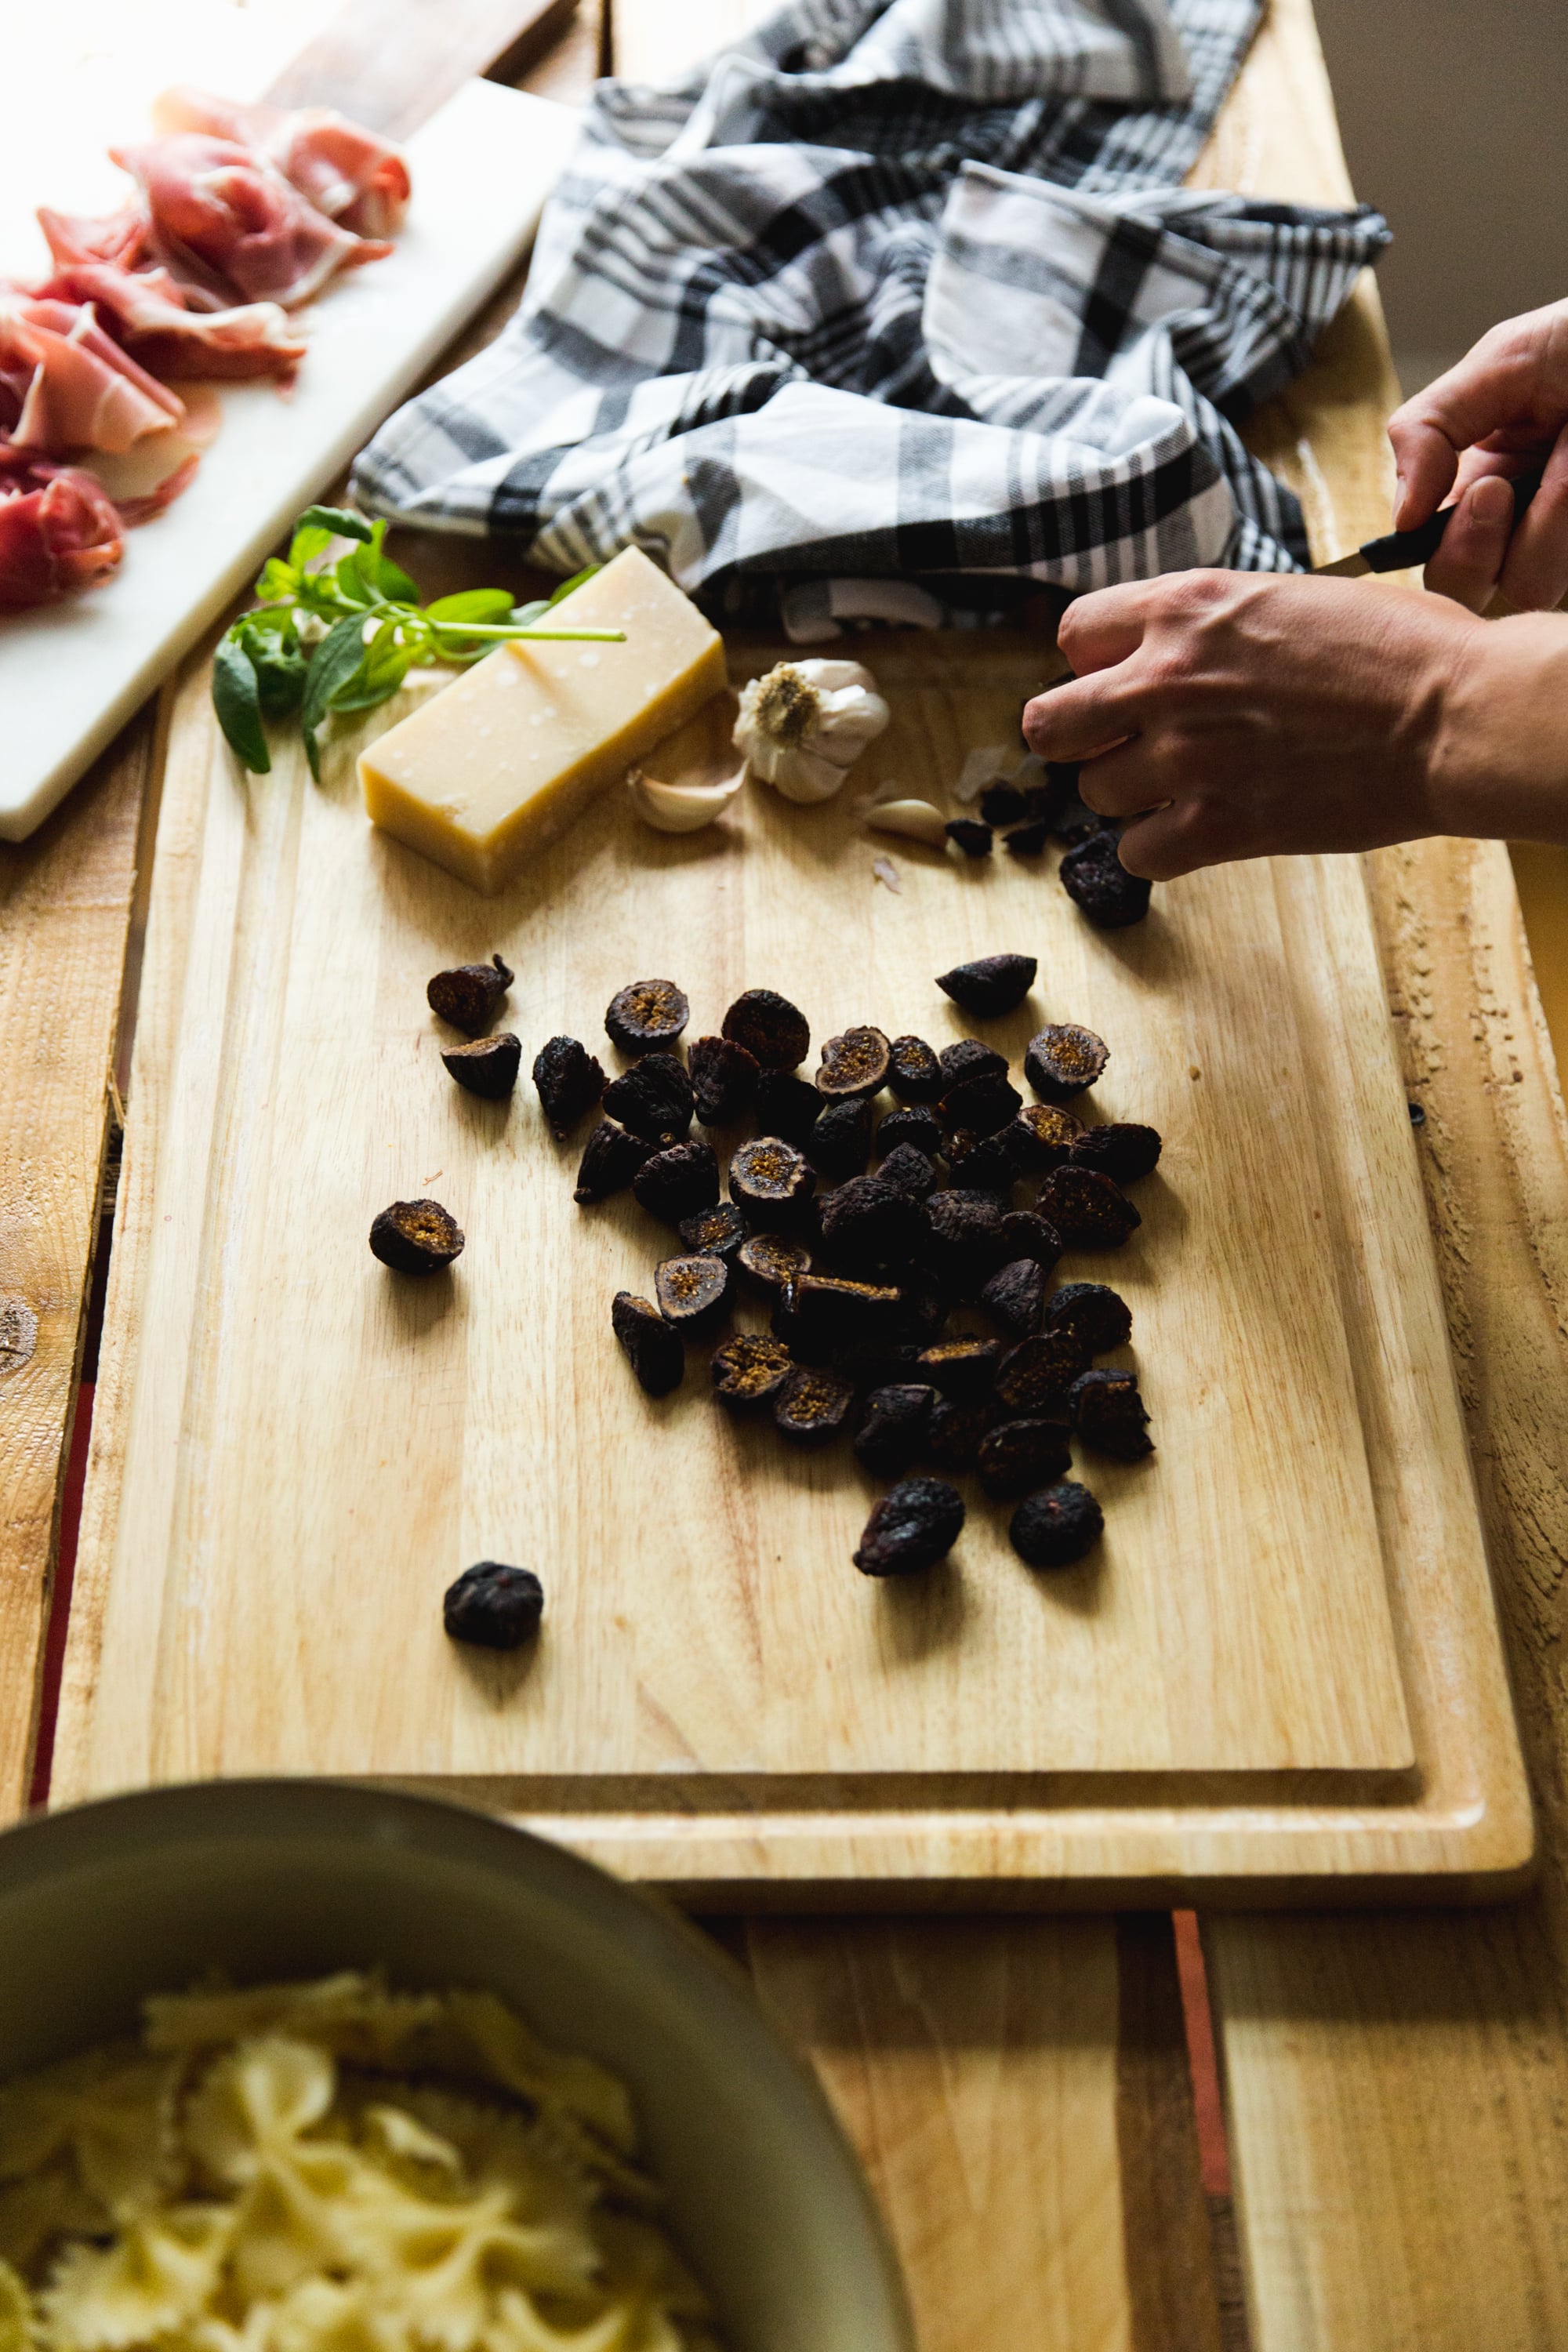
896,288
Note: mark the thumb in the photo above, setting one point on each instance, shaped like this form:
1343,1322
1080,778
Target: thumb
1463,406
1427,462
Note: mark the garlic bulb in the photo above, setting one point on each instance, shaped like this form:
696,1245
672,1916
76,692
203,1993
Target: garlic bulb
803,727
916,820
680,808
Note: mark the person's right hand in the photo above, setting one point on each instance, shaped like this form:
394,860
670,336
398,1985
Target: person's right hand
1501,411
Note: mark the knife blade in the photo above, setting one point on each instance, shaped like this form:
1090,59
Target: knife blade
1402,550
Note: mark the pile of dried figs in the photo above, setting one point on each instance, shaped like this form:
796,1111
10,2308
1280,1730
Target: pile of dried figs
900,1286
1029,815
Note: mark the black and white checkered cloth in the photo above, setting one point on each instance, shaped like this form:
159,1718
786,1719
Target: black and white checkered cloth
900,288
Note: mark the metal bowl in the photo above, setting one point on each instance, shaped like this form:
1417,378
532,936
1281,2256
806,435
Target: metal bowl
265,1879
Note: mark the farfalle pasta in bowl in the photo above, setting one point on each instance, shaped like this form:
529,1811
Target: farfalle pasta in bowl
327,2165
577,2135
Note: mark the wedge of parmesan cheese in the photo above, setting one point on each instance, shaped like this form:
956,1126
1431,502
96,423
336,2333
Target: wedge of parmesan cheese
489,773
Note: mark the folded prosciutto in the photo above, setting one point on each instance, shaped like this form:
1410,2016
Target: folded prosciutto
145,312
226,223
58,533
65,386
348,173
114,238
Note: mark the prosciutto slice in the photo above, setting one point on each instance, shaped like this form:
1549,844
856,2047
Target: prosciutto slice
225,221
65,385
58,533
145,312
241,214
357,179
115,238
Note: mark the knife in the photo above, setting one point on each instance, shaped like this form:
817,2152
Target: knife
1402,550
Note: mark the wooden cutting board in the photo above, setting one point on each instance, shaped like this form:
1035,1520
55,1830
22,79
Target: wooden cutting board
1278,1676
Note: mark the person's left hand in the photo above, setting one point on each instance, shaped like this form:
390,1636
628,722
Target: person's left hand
1234,715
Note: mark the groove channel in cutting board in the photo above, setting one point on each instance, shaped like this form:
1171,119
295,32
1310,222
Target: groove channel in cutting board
311,1449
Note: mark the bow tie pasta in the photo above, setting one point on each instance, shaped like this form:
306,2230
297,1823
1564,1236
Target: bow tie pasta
332,2168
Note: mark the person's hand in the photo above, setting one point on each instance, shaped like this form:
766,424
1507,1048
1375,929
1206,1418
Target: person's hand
1233,716
1503,410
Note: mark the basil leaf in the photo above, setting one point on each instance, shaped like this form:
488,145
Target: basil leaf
237,702
265,633
318,594
523,613
337,660
472,604
381,672
279,581
374,692
333,663
309,539
576,582
383,577
395,583
337,521
351,582
280,678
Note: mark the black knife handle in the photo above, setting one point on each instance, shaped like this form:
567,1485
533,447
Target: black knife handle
1402,550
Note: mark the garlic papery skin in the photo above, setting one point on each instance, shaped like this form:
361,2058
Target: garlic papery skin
680,808
915,820
991,763
803,727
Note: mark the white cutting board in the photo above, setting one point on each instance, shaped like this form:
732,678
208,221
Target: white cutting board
72,674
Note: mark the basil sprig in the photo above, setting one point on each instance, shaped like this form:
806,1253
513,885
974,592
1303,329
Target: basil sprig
344,635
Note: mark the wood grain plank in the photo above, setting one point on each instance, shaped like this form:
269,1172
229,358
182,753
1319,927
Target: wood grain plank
1397,2099
567,71
389,64
1541,877
974,2064
65,905
1166,2242
1018,2091
1397,2091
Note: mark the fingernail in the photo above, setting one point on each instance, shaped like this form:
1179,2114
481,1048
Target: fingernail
1492,502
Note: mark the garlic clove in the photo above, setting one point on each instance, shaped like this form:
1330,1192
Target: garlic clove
916,820
805,776
691,777
853,716
680,808
765,757
833,677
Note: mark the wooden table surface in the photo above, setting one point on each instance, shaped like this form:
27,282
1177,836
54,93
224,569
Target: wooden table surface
1396,2086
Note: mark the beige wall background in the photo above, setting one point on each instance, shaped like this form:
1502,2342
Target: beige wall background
1455,116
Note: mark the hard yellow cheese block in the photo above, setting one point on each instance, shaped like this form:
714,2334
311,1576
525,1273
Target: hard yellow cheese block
496,767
